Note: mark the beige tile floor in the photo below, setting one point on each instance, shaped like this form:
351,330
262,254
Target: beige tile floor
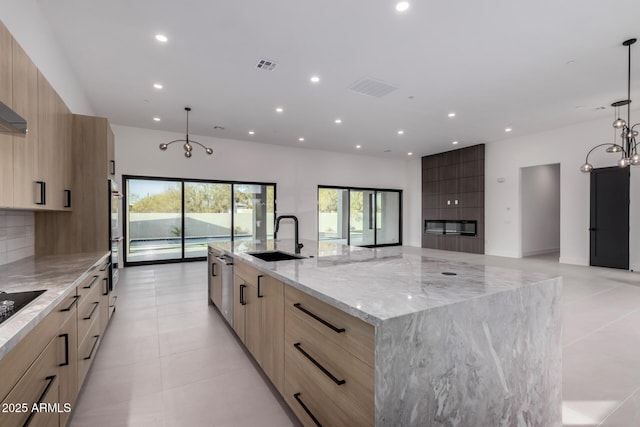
168,359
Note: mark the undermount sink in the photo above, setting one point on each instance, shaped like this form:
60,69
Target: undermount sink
274,256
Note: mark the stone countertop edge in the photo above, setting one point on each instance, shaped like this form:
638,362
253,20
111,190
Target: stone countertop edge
241,252
34,273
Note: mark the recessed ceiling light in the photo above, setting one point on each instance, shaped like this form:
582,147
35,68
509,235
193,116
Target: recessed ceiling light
358,146
400,132
301,139
314,79
338,121
251,132
157,86
279,110
508,130
402,6
162,38
455,142
156,119
409,154
452,114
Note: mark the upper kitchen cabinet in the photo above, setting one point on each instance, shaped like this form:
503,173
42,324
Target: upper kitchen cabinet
54,149
6,140
25,147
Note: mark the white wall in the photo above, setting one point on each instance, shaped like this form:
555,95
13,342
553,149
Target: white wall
29,27
568,147
540,205
297,172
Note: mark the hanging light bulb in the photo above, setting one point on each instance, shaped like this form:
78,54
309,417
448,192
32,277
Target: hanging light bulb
586,168
615,148
619,123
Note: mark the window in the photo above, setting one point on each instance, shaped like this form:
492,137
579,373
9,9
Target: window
360,217
168,220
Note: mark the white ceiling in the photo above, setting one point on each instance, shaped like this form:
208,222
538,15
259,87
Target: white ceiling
529,65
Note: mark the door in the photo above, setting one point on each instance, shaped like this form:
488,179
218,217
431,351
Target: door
609,226
362,220
388,217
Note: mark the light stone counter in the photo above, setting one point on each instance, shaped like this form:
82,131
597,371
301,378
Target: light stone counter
478,348
57,274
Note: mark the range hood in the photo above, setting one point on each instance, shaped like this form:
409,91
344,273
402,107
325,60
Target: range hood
11,122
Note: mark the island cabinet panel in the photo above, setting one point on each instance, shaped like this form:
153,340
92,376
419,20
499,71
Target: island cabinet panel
68,357
258,319
329,363
215,279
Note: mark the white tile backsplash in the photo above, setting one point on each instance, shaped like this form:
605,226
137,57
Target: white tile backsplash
16,235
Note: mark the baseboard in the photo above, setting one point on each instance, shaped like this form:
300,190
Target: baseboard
502,254
574,261
541,252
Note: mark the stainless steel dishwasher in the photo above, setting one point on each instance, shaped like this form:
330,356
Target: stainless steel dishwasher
226,271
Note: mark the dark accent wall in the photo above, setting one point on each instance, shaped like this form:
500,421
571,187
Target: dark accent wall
453,189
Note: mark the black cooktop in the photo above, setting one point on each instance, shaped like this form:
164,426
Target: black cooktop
20,300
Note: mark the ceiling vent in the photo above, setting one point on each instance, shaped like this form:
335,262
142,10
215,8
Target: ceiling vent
265,64
372,87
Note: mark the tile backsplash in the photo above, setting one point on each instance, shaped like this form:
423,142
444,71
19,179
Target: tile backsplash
16,235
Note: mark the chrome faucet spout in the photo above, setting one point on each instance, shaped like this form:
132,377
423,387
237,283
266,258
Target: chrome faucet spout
277,228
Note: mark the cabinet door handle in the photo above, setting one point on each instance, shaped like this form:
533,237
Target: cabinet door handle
66,349
91,283
213,269
93,347
315,420
242,300
113,167
75,301
43,193
318,318
114,302
259,286
51,379
95,305
67,203
106,286
324,370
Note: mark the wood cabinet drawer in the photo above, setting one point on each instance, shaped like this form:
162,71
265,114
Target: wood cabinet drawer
344,379
335,326
38,385
314,402
89,314
246,272
87,349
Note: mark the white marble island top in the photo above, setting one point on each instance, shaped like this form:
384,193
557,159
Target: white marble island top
58,275
381,283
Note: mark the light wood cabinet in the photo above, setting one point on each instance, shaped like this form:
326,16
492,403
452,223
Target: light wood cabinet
68,357
260,319
6,96
25,147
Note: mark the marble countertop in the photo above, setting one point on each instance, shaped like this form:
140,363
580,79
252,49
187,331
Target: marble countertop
381,283
57,274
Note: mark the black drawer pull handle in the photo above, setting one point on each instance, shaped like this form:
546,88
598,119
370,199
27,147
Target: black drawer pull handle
95,343
213,269
105,266
315,420
51,379
319,319
318,365
91,283
113,167
75,301
67,203
66,349
106,286
114,302
95,305
242,300
43,193
259,286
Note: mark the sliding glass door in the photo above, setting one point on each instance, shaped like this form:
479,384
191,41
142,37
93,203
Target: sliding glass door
359,216
169,220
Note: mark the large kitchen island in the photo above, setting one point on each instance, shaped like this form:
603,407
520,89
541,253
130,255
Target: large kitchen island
399,336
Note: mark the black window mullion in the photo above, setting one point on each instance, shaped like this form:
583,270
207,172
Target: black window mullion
183,222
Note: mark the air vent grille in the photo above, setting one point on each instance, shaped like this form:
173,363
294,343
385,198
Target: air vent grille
265,64
372,87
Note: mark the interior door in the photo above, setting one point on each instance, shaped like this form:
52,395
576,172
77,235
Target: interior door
609,225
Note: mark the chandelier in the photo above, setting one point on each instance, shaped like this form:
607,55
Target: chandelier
188,148
628,147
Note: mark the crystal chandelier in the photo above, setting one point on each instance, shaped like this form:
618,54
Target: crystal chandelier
628,147
187,142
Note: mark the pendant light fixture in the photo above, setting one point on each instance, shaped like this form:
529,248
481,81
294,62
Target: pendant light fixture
188,148
628,147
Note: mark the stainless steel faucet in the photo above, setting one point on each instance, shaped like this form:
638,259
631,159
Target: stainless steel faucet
295,220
